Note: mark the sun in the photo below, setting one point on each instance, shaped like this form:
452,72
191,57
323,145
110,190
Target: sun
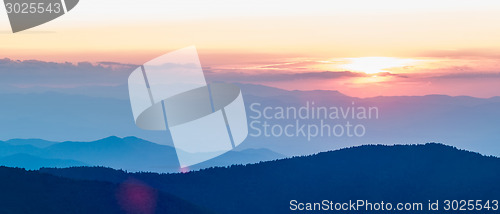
374,65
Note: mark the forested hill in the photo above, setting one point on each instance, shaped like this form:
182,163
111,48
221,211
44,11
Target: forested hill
33,192
404,173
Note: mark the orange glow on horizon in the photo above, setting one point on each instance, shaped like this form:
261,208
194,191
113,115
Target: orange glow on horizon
373,65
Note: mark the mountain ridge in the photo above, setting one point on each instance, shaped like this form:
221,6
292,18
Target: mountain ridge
34,192
398,173
128,153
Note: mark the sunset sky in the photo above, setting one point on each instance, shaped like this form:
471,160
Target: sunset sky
360,48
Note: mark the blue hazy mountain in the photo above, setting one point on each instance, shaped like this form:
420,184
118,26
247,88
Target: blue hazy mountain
129,153
456,121
401,173
34,192
7,149
76,116
31,162
61,117
39,143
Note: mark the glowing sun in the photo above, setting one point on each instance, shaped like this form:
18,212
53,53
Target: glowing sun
373,65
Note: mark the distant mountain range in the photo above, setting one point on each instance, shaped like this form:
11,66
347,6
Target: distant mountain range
465,122
401,173
130,153
81,116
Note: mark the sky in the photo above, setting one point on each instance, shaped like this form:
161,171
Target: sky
361,48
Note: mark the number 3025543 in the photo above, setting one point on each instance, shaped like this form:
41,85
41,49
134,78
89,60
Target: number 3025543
471,205
33,8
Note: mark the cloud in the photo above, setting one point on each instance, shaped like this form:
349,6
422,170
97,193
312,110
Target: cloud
39,74
279,77
467,75
32,73
453,73
298,65
462,53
